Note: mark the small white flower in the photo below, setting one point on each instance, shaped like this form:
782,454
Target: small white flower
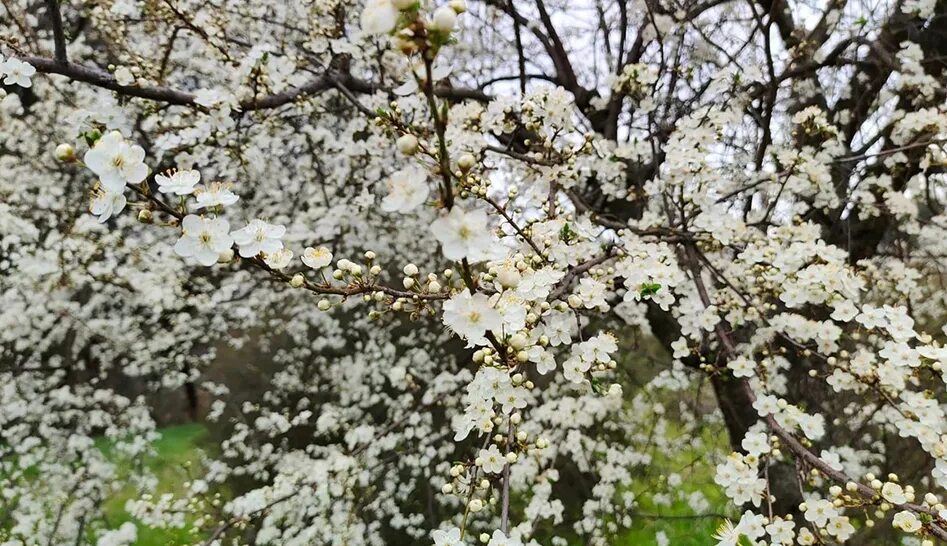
214,195
906,521
124,76
317,258
116,162
464,235
407,189
471,316
491,460
17,72
203,239
279,259
178,182
450,537
258,236
106,204
893,493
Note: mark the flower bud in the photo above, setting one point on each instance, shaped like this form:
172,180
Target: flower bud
444,19
324,305
297,281
407,144
225,257
459,6
466,162
145,216
476,505
518,341
65,152
410,270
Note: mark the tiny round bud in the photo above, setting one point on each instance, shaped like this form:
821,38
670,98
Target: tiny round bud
65,152
511,457
410,270
324,305
466,162
408,282
145,216
460,6
447,488
444,19
297,281
476,505
518,341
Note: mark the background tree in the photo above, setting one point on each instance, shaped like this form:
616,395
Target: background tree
437,228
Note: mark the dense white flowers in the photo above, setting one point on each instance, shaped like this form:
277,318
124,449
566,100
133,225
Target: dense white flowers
694,245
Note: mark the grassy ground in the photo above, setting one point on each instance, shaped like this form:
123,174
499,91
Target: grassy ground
176,450
180,446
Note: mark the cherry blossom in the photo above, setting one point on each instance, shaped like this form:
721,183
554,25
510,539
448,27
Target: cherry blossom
203,239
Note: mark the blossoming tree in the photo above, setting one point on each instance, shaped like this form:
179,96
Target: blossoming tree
441,223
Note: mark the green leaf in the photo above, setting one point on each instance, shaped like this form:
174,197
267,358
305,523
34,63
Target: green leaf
649,288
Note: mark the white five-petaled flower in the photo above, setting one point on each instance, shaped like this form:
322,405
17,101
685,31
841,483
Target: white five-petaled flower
317,258
217,194
491,460
258,236
17,72
407,189
471,317
379,17
204,239
106,204
499,538
116,162
450,537
178,182
464,234
279,259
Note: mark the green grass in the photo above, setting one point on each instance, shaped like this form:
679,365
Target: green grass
178,449
678,521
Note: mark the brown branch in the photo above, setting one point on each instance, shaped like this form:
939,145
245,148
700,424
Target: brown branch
59,37
168,95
